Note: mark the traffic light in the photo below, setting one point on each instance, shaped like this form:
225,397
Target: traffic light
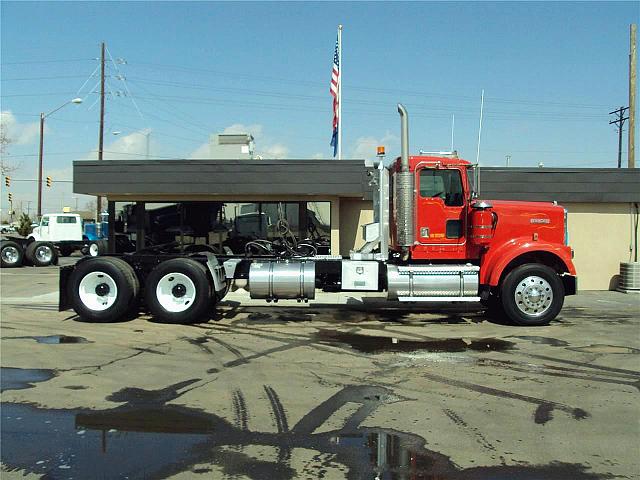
7,181
10,197
49,181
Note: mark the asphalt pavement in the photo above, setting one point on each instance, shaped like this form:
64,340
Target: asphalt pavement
362,389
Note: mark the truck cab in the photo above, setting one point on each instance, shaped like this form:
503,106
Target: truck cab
57,227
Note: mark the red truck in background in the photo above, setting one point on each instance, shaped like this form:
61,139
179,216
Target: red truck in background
432,241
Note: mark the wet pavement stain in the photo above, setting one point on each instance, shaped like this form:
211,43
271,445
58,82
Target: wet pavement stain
543,413
378,344
21,378
53,339
605,349
554,342
147,435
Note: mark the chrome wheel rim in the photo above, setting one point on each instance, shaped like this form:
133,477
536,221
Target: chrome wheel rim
93,250
10,255
533,296
175,292
44,253
98,291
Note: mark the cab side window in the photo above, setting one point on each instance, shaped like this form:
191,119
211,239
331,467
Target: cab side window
45,221
445,184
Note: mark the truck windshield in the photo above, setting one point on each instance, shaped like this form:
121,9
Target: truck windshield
444,184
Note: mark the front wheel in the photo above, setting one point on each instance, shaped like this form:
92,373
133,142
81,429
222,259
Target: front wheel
532,295
97,248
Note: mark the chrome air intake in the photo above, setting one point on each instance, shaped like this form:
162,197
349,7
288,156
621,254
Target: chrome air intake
404,186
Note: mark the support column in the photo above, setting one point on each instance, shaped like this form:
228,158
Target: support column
335,226
140,230
111,211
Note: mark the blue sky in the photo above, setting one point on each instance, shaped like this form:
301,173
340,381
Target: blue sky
551,73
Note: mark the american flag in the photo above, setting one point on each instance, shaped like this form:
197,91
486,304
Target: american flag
335,86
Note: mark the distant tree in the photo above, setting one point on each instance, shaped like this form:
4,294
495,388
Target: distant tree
5,167
24,225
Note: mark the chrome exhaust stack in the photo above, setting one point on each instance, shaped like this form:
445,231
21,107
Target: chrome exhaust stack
404,187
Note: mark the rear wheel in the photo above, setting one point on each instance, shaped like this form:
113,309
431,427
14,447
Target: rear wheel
104,289
11,254
532,295
178,291
41,254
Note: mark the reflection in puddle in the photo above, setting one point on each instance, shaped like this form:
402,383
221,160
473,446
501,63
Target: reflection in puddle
53,339
377,344
21,378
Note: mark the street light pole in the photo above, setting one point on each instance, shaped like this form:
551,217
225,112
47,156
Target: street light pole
42,115
40,155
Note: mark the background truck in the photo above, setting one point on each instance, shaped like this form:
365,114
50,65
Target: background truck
56,234
431,241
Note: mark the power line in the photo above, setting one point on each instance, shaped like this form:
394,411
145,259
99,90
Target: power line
49,61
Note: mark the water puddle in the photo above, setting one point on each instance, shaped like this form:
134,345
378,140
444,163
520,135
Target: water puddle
378,344
158,441
599,348
21,378
54,339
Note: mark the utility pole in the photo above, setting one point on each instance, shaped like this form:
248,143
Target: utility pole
101,135
619,122
631,149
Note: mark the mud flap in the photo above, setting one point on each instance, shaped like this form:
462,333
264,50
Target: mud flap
64,302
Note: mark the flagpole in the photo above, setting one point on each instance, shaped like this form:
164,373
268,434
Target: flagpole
340,93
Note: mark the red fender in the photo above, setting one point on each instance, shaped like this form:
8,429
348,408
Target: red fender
495,260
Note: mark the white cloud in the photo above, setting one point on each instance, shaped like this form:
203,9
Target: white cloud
19,133
318,156
127,147
276,151
201,152
366,147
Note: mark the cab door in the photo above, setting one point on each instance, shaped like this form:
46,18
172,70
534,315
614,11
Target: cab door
440,214
44,228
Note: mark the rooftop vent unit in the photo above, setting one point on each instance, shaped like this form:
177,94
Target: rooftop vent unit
236,146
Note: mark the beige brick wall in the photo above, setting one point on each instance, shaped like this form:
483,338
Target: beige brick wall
601,237
353,214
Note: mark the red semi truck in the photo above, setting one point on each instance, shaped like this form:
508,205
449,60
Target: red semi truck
431,241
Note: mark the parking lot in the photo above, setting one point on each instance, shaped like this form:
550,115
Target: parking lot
359,390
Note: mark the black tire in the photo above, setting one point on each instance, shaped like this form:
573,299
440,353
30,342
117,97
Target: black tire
97,248
115,273
11,254
41,254
182,302
532,295
65,250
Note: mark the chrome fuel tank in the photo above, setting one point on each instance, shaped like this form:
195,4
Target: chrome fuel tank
283,280
432,282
